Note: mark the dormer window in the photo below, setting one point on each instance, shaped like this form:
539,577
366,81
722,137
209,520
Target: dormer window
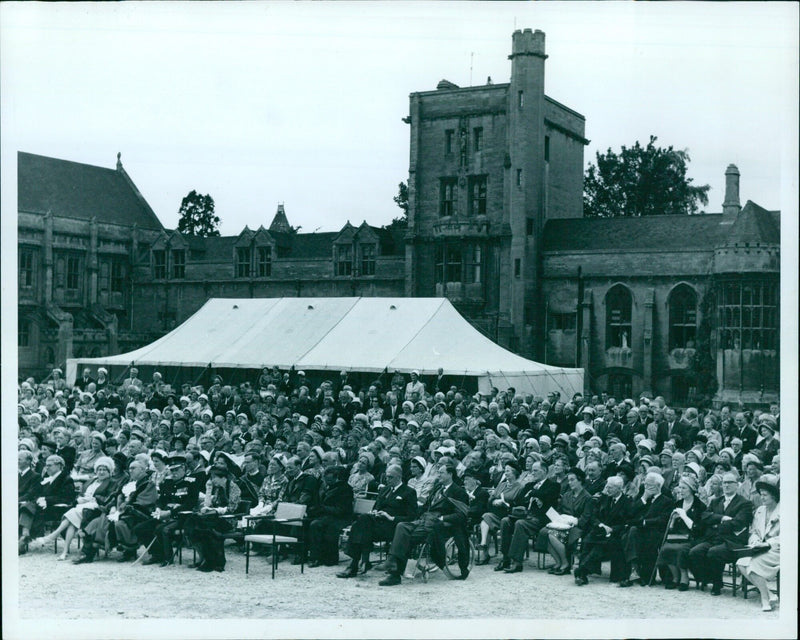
159,264
367,259
243,262
178,263
264,262
343,264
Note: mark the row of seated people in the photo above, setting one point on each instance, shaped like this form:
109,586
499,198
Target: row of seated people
650,533
126,516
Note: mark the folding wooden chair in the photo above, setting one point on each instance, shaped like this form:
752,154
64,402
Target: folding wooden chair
287,514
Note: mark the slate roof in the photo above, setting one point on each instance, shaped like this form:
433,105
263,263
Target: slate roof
81,191
213,248
753,225
702,232
312,245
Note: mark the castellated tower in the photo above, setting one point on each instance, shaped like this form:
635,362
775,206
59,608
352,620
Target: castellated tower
489,164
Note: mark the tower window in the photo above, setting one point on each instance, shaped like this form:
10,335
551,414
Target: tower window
477,195
447,196
519,177
453,265
448,263
547,148
474,263
517,267
448,140
529,226
25,268
477,139
520,99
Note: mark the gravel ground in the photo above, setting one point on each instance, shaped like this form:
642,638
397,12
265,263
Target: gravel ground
107,589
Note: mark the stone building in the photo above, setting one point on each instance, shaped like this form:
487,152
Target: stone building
495,224
489,165
183,271
81,231
99,274
625,299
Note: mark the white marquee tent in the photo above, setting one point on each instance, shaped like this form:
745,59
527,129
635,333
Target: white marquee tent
354,334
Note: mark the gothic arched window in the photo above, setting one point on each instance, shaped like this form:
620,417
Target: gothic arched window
682,317
619,305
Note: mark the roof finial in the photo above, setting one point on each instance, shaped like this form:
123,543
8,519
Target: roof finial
119,160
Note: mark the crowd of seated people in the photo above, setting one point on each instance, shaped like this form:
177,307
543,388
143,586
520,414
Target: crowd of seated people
664,495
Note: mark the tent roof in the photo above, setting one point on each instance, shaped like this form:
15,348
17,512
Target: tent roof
357,334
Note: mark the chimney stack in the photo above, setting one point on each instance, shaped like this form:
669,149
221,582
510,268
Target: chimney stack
731,204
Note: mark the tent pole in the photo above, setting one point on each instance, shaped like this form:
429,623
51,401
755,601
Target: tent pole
123,373
208,366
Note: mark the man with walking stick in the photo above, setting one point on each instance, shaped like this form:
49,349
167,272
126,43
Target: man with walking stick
648,521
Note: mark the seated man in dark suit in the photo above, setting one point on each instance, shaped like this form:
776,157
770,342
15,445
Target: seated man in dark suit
44,499
447,505
604,533
302,488
478,497
396,503
541,495
726,523
648,521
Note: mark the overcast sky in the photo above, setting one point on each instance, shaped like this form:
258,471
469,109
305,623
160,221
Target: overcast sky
258,104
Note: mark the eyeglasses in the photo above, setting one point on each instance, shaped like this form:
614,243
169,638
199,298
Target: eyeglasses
729,482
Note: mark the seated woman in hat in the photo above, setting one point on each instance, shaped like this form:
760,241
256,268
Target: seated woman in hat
55,490
765,529
505,495
421,480
100,490
712,456
205,530
683,532
767,444
329,516
642,467
375,412
361,479
562,538
313,463
272,487
84,465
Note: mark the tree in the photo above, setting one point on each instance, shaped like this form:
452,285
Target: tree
398,226
641,181
401,199
197,216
